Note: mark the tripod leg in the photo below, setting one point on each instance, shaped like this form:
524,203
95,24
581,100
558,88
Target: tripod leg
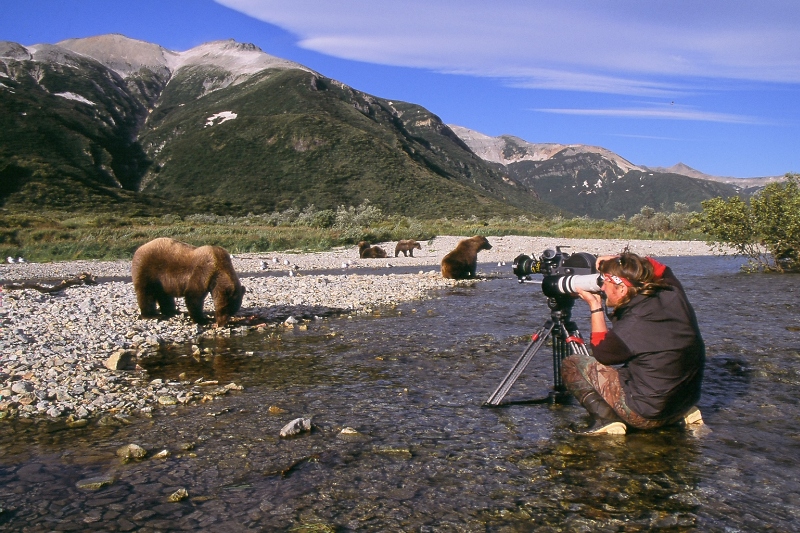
567,341
537,340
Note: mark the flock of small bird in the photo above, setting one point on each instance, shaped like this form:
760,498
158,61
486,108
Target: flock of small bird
265,265
11,260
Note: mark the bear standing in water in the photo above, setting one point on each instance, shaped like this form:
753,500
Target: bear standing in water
463,260
407,247
164,269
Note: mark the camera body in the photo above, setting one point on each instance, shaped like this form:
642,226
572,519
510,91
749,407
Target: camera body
564,273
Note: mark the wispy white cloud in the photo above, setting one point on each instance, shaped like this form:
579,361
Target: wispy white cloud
616,46
660,113
649,137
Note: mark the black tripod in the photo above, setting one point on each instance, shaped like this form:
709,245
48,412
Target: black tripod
566,338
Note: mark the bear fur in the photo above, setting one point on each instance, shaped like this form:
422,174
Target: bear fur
164,269
365,251
463,260
407,247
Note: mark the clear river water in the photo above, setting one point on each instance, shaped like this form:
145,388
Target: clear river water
426,455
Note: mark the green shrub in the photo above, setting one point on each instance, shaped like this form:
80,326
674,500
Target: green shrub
766,231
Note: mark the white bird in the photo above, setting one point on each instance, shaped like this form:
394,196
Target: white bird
274,259
21,260
10,259
263,265
388,265
291,273
344,265
285,261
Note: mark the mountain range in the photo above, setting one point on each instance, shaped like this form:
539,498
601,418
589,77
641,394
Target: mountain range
111,122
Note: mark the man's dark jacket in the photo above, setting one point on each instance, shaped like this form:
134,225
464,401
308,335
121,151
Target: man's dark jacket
657,340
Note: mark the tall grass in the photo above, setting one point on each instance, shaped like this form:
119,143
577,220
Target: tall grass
57,236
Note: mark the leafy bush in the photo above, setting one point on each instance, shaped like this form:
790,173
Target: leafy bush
312,218
766,231
356,223
661,224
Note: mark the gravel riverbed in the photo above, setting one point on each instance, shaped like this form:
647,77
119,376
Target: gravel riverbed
73,354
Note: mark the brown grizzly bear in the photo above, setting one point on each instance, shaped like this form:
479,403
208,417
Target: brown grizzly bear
463,260
164,269
407,247
365,251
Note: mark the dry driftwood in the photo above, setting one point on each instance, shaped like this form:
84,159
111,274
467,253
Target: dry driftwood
83,278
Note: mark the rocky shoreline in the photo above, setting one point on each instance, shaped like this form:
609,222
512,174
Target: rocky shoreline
71,355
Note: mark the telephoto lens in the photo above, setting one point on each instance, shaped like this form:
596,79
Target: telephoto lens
524,265
557,285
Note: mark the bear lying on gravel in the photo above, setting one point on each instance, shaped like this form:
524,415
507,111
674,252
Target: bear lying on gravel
164,269
365,251
463,260
407,247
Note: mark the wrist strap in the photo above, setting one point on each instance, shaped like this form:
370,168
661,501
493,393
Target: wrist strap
593,311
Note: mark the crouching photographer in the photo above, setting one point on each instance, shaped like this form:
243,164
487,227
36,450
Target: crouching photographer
656,340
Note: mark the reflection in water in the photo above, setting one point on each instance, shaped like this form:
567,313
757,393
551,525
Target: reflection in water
427,456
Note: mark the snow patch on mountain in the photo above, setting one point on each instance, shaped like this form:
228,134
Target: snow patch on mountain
219,118
76,97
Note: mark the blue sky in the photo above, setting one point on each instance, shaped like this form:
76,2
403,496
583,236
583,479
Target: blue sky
714,84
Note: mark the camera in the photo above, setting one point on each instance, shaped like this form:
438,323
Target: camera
564,273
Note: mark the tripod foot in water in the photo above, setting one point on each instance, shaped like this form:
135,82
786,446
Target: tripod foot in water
606,421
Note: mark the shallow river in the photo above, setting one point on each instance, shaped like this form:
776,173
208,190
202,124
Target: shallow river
427,456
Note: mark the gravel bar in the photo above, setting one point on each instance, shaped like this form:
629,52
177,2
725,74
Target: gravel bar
72,355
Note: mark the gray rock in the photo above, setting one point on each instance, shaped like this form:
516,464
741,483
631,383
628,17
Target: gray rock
132,451
21,387
122,360
95,483
296,426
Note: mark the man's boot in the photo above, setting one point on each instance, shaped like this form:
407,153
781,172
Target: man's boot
606,421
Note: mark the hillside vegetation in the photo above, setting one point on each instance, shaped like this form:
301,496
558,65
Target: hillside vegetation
75,134
69,236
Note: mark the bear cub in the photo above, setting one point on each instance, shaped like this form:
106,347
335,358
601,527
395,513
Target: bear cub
407,247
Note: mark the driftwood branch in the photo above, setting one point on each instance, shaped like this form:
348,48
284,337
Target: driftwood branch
81,279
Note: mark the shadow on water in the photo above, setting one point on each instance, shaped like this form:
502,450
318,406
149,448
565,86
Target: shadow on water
426,455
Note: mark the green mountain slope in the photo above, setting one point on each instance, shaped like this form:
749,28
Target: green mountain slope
591,180
299,138
589,184
67,130
74,132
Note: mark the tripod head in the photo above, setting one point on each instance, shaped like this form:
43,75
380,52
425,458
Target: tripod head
561,306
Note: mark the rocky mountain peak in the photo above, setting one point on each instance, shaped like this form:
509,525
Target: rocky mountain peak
14,51
123,55
507,149
237,58
127,56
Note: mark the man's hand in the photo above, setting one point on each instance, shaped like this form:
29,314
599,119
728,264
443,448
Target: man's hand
592,298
